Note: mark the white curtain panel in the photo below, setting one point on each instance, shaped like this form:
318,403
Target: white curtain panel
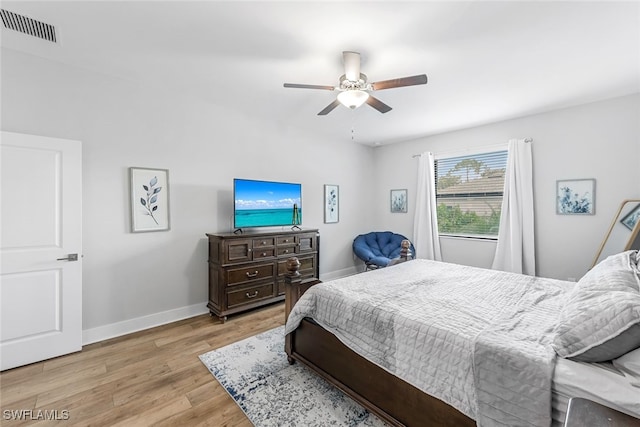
425,223
515,251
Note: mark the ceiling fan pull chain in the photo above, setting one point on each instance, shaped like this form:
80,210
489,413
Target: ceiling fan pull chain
353,125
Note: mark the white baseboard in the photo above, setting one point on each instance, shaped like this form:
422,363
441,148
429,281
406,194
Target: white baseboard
101,333
350,271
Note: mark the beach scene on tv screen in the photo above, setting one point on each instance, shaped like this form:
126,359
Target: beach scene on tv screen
263,203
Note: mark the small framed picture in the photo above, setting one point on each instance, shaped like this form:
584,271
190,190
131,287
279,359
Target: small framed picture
576,197
399,201
149,199
631,219
331,204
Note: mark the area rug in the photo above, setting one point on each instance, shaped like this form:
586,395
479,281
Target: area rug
256,374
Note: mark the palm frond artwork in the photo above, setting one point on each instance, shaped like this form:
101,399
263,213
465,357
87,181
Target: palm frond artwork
150,204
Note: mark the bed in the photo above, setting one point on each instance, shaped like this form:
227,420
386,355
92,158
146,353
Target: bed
431,343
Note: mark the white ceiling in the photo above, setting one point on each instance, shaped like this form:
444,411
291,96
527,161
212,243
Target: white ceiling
486,61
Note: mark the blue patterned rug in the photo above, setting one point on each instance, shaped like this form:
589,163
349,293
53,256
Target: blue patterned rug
256,374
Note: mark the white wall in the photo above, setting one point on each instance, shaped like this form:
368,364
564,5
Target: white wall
122,124
599,140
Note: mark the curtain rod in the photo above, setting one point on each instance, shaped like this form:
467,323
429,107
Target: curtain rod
525,140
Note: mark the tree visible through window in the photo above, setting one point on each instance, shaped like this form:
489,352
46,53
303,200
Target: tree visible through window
469,193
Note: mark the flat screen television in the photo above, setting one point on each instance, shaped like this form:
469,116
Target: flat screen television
266,203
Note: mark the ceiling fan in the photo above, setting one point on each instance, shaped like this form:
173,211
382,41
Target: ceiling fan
354,88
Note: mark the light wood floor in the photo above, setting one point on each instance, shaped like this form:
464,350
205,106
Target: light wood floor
152,377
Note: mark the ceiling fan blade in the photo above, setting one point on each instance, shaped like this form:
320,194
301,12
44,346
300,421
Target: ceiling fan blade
302,86
351,65
403,81
378,105
329,108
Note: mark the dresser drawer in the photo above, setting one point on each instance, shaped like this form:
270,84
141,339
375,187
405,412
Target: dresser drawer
263,242
251,273
287,250
249,295
261,253
286,240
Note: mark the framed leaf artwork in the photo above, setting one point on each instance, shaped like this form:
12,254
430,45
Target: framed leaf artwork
149,199
331,204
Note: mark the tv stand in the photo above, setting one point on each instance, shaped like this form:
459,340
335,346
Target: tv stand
238,231
295,227
247,270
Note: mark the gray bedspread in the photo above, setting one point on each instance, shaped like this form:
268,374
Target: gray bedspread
477,339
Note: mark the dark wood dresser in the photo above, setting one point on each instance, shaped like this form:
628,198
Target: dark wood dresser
247,270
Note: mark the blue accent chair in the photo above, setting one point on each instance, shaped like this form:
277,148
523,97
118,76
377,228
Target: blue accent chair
378,248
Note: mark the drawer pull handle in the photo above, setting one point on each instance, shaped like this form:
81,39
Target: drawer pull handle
264,254
253,295
286,251
264,243
286,240
254,274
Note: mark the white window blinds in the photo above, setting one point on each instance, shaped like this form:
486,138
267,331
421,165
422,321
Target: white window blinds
469,194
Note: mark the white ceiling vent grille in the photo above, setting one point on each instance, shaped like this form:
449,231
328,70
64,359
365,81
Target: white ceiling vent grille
27,25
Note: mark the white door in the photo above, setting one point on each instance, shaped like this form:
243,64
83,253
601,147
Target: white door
41,219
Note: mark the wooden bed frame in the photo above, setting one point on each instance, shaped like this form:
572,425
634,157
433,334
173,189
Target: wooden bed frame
390,398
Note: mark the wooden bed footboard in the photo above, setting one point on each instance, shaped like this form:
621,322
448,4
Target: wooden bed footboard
392,399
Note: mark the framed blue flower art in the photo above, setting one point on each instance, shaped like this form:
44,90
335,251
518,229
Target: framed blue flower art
576,197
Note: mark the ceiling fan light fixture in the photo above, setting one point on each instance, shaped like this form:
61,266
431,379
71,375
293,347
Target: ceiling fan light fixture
354,88
353,98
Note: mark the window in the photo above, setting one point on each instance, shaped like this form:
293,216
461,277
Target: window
469,194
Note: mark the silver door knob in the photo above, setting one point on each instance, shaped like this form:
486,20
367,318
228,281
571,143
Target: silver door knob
70,257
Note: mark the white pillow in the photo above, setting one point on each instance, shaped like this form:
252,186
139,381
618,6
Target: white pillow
629,365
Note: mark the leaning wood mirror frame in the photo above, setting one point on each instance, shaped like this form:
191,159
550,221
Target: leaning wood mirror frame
620,237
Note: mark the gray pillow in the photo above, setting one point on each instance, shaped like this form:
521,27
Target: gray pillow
600,320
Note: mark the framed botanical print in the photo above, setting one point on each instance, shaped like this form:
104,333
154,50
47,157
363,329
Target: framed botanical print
149,199
331,204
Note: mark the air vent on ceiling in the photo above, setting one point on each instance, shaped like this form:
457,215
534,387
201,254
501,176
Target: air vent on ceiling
27,25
